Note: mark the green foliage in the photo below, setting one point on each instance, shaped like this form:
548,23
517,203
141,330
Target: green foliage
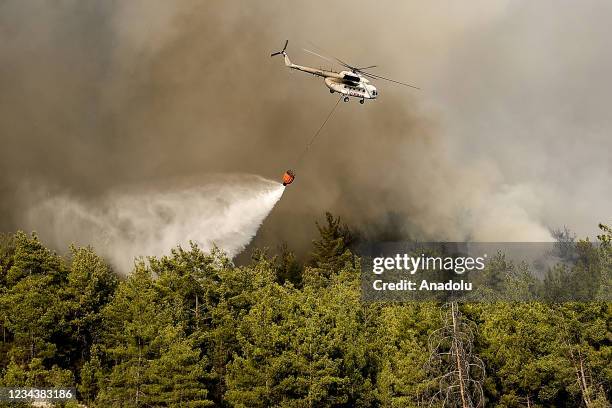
304,348
91,285
7,253
605,256
35,374
287,268
31,305
191,329
144,355
401,338
536,350
331,251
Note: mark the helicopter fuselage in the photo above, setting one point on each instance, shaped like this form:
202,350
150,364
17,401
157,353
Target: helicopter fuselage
360,89
346,83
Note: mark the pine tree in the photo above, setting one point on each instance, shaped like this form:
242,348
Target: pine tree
190,279
522,347
331,251
7,253
583,340
287,268
304,348
401,343
142,347
32,308
605,255
458,370
176,377
91,285
210,296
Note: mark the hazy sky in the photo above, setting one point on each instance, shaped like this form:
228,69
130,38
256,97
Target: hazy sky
510,136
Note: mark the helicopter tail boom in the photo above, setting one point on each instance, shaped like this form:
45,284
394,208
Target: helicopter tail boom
309,70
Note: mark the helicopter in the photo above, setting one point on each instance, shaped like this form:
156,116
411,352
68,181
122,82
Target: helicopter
354,82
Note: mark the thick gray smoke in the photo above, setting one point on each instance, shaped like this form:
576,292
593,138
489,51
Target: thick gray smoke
509,137
225,211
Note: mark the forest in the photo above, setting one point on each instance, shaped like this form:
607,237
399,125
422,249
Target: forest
192,329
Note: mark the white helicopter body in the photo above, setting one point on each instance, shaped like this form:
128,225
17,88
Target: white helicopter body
353,83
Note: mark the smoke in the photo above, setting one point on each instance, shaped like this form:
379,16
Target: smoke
225,212
509,137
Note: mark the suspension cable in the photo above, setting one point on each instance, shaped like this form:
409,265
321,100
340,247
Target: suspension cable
312,140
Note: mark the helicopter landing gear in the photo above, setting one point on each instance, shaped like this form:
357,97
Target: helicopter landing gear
346,99
362,101
331,91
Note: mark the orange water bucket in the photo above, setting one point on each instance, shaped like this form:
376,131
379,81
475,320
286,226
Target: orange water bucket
288,177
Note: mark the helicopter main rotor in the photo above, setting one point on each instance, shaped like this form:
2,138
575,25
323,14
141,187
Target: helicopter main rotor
359,70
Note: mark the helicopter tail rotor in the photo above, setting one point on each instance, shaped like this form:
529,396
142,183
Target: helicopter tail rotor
281,52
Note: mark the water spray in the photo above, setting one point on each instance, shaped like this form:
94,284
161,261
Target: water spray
225,211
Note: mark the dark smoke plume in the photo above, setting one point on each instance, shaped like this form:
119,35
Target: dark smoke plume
99,95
